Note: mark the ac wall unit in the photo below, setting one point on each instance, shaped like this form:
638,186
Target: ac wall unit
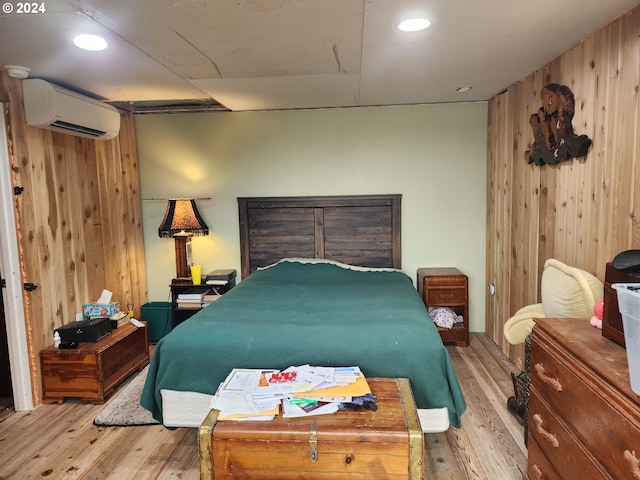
55,108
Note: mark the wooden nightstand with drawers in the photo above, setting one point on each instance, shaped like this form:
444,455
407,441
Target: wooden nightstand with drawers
447,287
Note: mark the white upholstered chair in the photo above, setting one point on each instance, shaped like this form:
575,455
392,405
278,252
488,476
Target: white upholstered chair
567,292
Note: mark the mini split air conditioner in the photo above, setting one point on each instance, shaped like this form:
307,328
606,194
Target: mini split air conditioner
55,108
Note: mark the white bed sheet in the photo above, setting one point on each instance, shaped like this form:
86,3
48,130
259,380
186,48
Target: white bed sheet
184,409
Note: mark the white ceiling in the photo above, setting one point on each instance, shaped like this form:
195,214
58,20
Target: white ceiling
279,54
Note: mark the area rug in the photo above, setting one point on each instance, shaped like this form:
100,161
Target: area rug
124,409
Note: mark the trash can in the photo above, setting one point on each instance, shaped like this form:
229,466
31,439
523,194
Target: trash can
159,319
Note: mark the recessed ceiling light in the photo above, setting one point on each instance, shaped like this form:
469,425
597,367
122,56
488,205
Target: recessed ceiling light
463,89
414,24
92,43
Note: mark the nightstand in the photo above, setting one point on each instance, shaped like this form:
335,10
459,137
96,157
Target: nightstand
182,311
447,287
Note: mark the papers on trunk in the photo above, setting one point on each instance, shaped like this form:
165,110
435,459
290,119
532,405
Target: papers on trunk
256,394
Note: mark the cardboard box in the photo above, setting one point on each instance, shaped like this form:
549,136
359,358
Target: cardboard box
100,310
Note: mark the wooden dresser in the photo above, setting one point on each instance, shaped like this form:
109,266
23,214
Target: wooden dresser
584,419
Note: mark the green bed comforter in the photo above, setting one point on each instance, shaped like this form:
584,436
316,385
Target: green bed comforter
320,314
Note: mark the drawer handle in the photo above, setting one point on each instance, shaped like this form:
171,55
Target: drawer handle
555,384
633,462
549,437
446,295
537,474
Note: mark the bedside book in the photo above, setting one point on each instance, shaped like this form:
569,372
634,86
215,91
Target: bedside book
189,303
190,295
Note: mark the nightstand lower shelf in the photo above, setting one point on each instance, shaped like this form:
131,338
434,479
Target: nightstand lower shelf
457,334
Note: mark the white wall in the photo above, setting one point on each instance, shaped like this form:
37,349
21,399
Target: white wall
434,155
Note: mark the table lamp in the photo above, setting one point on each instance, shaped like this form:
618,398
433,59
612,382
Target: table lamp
182,221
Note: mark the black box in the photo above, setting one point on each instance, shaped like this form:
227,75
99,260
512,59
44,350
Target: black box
90,330
612,326
227,275
221,280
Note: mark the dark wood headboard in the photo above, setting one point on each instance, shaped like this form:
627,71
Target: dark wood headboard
359,230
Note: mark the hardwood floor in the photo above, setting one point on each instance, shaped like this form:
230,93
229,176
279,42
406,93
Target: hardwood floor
61,442
490,444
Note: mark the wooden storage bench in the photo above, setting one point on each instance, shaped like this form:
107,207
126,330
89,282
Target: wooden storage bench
93,370
354,444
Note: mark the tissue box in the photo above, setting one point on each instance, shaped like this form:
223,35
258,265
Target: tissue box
100,309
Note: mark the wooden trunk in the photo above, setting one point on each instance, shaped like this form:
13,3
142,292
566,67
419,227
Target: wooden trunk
93,370
361,444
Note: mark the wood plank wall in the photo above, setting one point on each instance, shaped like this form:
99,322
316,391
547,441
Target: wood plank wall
582,212
79,221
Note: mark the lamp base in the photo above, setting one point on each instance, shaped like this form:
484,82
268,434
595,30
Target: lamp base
183,243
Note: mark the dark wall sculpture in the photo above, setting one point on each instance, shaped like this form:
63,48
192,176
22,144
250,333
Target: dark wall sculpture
554,140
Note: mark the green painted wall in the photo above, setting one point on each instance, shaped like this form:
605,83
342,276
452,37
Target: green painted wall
434,155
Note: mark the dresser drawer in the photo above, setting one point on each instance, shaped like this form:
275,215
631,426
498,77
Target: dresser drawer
582,399
446,296
539,467
559,446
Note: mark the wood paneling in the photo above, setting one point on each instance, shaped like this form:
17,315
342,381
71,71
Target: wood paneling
79,221
581,212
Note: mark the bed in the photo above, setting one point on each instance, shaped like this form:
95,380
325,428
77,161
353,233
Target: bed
341,301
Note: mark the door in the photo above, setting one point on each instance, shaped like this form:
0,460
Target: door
6,391
13,331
